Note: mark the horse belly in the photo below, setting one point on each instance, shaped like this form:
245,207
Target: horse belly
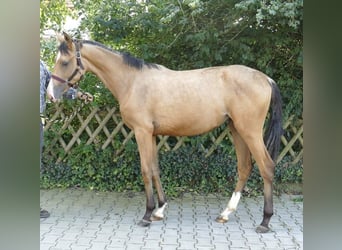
188,123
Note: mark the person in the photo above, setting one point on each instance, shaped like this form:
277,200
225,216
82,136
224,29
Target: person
44,81
72,93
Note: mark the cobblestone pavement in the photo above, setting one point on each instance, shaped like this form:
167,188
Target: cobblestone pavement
82,219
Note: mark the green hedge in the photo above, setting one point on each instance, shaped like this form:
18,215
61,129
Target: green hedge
184,170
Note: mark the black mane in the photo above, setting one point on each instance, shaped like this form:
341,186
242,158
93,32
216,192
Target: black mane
136,62
128,59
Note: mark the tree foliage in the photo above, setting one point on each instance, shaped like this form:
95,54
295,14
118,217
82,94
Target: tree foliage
53,14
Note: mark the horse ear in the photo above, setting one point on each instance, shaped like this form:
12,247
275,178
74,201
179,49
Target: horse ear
67,38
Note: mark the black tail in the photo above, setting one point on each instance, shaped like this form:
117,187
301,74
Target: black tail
274,129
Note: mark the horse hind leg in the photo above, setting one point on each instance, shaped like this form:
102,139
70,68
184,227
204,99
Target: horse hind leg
244,170
266,168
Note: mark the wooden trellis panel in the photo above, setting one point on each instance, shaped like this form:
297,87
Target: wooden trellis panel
293,136
104,128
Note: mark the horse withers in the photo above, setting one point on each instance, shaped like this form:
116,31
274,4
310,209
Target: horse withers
155,100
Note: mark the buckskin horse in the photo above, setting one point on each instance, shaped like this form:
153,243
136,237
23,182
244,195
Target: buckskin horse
155,100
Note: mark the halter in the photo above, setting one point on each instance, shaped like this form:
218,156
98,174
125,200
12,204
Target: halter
77,70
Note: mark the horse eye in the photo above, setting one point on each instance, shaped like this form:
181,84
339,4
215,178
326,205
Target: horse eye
64,63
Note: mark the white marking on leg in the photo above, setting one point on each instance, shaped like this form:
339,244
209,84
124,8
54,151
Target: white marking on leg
160,211
232,205
234,201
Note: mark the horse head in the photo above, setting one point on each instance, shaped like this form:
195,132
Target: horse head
68,69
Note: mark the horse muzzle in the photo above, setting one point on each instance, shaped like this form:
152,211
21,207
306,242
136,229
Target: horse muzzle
55,91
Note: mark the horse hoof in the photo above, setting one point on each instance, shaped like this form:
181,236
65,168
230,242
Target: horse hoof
221,219
262,229
144,223
156,218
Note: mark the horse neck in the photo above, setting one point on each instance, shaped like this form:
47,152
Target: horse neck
109,67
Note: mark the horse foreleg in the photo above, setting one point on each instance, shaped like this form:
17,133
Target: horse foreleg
145,146
244,170
159,213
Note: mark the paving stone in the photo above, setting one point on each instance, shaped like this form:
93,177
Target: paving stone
187,244
82,219
64,244
45,246
51,238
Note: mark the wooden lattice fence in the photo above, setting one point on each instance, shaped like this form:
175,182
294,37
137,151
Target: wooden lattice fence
103,127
